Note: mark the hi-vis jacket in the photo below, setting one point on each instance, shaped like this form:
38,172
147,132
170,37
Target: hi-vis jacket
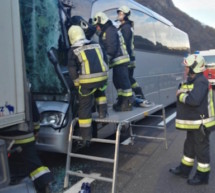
195,105
113,43
128,35
86,65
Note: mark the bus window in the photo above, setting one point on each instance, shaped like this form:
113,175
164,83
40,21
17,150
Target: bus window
41,31
144,36
144,30
163,37
112,14
180,42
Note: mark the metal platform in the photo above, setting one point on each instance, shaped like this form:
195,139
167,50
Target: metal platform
128,118
136,114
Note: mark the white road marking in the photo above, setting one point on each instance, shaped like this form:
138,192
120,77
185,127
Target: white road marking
126,142
168,119
77,187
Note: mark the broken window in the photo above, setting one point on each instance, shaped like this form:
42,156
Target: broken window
41,30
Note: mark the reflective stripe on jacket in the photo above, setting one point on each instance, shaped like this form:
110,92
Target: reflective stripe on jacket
128,35
86,64
195,105
113,43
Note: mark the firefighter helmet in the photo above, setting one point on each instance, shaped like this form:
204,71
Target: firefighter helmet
100,18
195,62
126,10
76,33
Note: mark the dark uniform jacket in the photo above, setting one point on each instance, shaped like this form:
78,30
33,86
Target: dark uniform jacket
86,65
114,45
195,105
128,35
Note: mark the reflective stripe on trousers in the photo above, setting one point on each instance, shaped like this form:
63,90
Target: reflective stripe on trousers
39,172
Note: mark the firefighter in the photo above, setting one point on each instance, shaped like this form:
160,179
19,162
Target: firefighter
22,141
195,114
127,29
89,73
117,57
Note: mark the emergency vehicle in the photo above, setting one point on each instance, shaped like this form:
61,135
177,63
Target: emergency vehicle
209,56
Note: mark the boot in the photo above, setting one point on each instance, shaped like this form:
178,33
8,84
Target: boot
86,134
46,188
138,92
199,178
181,170
102,110
126,105
118,103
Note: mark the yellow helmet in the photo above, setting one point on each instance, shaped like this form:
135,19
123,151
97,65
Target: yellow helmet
126,10
75,34
195,62
100,18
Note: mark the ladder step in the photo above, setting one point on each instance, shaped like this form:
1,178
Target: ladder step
96,140
94,158
149,126
148,137
93,176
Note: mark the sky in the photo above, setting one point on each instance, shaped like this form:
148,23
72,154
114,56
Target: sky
201,10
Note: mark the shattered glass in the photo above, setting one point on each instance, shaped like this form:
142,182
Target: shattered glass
41,30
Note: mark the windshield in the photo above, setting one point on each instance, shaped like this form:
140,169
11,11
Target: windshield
209,59
41,30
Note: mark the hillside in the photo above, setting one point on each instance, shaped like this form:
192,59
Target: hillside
201,37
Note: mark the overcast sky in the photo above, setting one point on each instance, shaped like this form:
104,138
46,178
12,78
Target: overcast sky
202,10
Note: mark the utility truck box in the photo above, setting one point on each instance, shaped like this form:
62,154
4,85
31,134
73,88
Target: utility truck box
12,91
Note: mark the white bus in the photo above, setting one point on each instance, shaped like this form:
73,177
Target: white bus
159,48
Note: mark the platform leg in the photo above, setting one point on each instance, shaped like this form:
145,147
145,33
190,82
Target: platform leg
116,156
131,135
164,121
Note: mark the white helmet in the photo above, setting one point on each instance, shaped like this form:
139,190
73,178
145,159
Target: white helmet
126,10
100,18
195,62
76,33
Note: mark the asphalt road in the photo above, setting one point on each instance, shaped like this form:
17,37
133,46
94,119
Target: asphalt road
143,167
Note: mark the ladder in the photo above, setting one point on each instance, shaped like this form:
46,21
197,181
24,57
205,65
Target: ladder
120,119
114,161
